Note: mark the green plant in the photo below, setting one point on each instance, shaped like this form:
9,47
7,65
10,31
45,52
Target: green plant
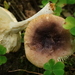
3,59
58,5
74,13
53,68
6,5
70,24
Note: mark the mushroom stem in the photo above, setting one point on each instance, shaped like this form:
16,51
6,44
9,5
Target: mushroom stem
18,26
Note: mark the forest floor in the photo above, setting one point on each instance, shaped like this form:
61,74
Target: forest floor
17,63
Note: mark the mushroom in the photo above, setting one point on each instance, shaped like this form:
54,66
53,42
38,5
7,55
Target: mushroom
10,29
45,39
8,39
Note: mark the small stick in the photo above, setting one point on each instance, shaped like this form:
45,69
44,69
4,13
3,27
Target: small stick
26,71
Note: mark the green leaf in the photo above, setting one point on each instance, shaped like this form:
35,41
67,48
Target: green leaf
70,1
70,23
58,68
58,10
44,2
52,62
61,3
49,65
53,1
2,50
58,72
72,31
6,5
58,65
74,14
70,20
53,68
48,73
3,60
68,26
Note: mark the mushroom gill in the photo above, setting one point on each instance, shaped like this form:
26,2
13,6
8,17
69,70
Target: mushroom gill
46,39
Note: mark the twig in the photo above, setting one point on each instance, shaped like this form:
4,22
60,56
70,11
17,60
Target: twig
35,4
73,69
73,54
16,12
25,71
19,10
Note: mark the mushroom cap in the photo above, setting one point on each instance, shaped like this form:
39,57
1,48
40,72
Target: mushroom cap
46,39
5,18
8,39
